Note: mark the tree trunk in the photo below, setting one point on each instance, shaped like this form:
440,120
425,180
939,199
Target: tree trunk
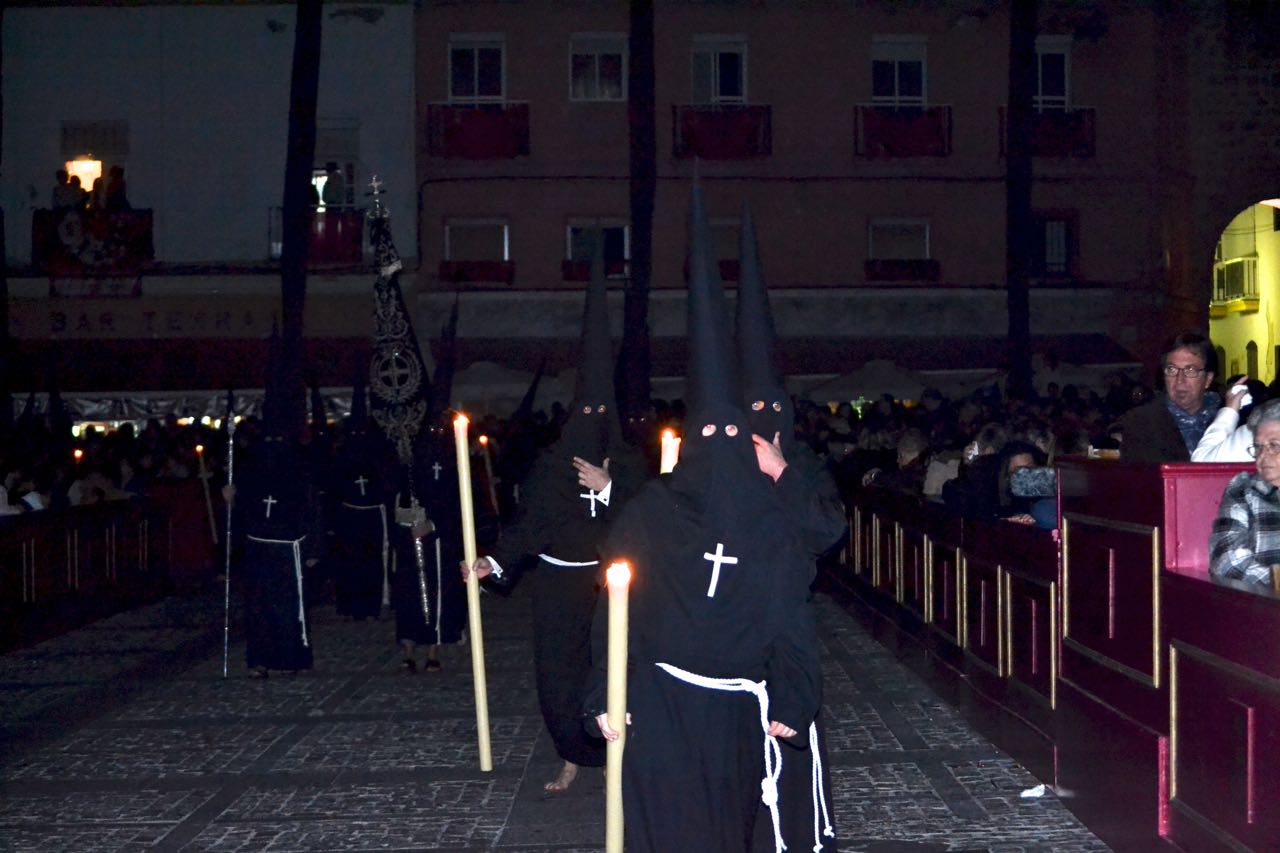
1020,229
296,214
634,360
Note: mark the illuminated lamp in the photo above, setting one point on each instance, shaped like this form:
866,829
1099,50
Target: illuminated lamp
85,168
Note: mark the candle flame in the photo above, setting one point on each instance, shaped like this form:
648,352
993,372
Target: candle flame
460,420
668,434
199,448
619,573
484,439
78,453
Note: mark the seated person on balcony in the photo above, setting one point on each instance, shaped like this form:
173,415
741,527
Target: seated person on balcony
1245,541
335,186
1228,438
1168,428
114,196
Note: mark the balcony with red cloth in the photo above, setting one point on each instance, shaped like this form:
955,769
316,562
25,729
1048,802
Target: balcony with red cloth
478,272
722,131
335,236
914,269
478,131
85,243
728,269
884,130
1057,132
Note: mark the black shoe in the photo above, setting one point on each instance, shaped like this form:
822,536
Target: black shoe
410,665
432,665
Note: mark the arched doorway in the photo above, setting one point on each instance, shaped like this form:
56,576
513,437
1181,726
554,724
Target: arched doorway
1245,292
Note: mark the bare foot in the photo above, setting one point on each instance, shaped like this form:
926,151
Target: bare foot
561,783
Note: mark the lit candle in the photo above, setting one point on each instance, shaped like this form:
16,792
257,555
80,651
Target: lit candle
488,474
618,576
670,451
78,454
473,591
208,499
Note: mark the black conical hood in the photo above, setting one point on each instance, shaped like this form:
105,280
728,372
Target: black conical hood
524,411
275,420
358,418
595,381
318,417
755,321
710,377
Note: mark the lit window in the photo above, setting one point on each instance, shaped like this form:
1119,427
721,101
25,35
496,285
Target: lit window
598,67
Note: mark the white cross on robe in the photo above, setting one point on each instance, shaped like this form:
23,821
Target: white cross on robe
268,500
361,482
717,559
595,497
435,469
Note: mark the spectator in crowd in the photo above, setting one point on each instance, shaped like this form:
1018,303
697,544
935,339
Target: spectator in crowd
913,462
65,196
1245,542
1168,428
1228,437
115,197
334,193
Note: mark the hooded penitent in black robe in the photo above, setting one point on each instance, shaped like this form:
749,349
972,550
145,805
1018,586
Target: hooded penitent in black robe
714,595
362,523
564,523
812,506
442,617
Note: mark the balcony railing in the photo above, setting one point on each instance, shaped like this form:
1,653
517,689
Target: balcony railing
728,268
478,272
721,131
902,131
81,243
335,236
1057,132
478,131
1235,279
916,269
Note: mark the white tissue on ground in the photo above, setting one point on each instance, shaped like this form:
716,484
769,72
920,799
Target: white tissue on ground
1032,793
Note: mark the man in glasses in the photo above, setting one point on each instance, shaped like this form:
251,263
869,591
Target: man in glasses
1245,542
1168,428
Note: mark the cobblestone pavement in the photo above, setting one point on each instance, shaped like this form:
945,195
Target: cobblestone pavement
124,736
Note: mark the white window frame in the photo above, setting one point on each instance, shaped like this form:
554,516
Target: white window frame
1053,45
580,44
886,222
450,224
716,45
476,41
897,49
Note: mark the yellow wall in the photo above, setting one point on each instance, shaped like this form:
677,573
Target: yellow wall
1234,331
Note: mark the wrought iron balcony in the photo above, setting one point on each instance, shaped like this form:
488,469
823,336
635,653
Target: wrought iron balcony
902,131
722,131
478,131
335,236
478,272
1057,132
76,243
916,269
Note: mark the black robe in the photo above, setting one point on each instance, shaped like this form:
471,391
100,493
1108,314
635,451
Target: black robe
812,505
555,521
695,756
362,528
444,616
274,522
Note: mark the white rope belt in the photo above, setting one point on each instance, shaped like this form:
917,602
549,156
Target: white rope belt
772,751
566,564
819,795
297,573
386,562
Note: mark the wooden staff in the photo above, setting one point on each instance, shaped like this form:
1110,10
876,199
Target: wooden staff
618,576
208,498
473,591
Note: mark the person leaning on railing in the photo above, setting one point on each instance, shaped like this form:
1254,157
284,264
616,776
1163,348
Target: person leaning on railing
1245,542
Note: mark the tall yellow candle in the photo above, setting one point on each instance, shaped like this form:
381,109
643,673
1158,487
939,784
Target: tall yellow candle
618,576
473,591
488,474
670,451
